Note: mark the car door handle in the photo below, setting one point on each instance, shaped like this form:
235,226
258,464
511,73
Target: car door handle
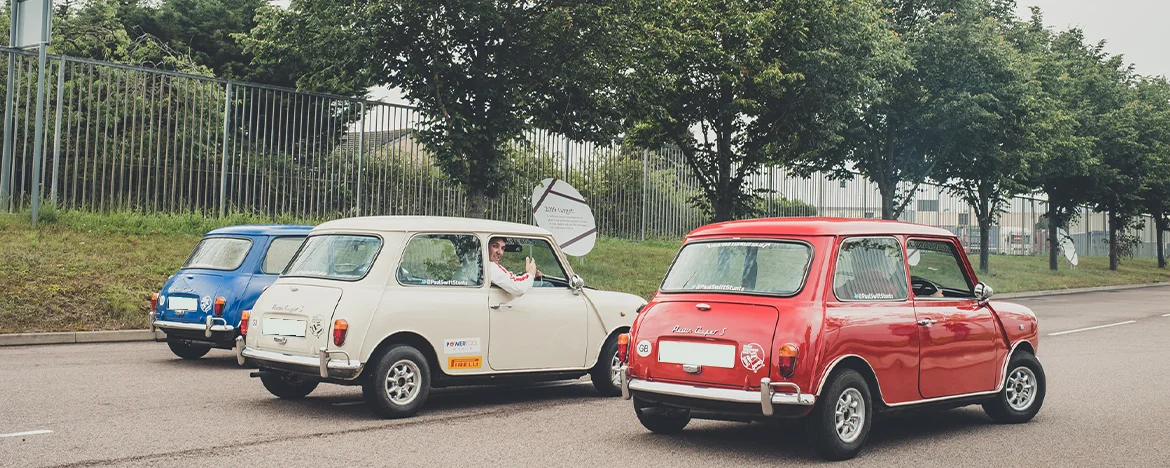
927,322
501,306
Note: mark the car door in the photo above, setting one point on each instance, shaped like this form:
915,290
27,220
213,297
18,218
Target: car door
546,327
958,353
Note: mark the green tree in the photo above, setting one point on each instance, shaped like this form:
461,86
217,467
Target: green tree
738,84
1154,92
982,111
480,72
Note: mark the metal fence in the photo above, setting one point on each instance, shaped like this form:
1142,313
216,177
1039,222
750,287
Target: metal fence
124,138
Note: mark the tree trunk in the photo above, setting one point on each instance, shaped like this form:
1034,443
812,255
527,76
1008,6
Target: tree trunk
476,203
1160,223
887,193
1053,243
984,247
1112,241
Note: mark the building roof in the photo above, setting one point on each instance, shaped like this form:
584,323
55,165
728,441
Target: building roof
263,230
431,223
816,227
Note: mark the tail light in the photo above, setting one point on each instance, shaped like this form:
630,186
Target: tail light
244,322
787,354
623,346
219,303
154,302
340,327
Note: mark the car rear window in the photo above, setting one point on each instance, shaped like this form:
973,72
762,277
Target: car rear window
219,253
335,256
280,252
772,268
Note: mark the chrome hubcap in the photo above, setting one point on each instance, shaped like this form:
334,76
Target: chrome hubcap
615,371
1021,388
850,415
402,383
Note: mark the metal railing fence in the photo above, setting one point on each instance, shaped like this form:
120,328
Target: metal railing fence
126,138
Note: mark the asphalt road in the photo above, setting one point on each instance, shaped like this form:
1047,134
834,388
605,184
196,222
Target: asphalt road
134,404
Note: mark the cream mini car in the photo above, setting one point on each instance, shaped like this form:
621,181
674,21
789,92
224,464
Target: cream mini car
400,305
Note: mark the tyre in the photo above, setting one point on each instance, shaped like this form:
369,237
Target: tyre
1022,394
399,384
187,349
606,373
287,385
840,421
662,419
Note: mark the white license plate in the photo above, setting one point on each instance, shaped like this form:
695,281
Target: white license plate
284,327
701,354
183,303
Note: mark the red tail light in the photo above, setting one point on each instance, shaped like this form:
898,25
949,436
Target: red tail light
219,303
340,327
623,346
244,322
153,302
787,354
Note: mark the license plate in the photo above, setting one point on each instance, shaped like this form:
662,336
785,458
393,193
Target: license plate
701,354
284,327
183,303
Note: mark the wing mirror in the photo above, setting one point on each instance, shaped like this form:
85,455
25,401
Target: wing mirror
983,292
576,283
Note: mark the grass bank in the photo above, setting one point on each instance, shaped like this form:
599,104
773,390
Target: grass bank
81,271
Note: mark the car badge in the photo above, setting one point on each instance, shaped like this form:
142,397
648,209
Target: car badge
205,304
317,326
752,356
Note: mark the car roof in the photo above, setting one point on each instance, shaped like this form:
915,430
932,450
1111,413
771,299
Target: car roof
263,230
816,227
431,223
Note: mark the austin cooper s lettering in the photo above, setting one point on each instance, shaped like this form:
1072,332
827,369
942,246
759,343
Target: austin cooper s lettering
828,321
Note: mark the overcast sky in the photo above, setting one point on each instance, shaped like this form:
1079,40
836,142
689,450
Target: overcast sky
1137,29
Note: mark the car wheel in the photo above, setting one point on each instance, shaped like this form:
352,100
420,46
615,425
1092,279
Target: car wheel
187,349
1022,394
606,374
662,419
287,385
841,419
399,384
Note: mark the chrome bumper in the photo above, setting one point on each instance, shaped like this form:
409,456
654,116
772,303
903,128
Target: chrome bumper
325,366
208,325
767,397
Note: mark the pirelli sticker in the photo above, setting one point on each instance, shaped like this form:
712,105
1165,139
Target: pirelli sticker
464,362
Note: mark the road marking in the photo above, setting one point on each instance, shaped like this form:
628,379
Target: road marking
18,434
1092,328
1166,315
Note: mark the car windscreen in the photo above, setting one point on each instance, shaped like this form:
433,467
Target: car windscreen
772,268
219,253
335,256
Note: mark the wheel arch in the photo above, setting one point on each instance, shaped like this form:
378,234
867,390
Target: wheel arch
414,340
861,366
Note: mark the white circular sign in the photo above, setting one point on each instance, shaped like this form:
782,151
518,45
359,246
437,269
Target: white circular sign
560,209
643,348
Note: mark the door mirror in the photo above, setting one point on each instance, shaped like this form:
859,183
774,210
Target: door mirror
983,292
576,283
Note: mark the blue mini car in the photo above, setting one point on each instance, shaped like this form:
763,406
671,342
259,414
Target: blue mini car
199,307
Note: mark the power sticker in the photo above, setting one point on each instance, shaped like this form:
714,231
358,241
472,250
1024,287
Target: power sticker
461,363
461,345
643,348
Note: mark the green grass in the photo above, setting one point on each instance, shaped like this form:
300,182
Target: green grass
82,271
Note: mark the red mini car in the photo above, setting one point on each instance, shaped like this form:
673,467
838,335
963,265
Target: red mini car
829,320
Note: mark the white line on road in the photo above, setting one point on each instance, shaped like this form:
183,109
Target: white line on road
1166,315
18,434
1092,328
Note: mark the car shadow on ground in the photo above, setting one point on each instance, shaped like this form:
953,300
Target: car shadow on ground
786,441
210,361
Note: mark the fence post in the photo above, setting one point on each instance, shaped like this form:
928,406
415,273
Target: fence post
39,132
361,154
227,113
57,127
645,188
9,134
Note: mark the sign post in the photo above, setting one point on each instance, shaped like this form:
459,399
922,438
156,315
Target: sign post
32,22
561,209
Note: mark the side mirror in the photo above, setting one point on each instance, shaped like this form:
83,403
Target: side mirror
983,293
576,283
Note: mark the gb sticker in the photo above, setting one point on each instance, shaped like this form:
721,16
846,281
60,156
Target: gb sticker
752,357
643,348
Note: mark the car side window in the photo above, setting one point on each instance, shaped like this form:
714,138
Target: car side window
936,270
442,260
870,269
546,261
280,252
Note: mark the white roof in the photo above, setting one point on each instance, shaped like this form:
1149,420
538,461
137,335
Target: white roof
430,223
